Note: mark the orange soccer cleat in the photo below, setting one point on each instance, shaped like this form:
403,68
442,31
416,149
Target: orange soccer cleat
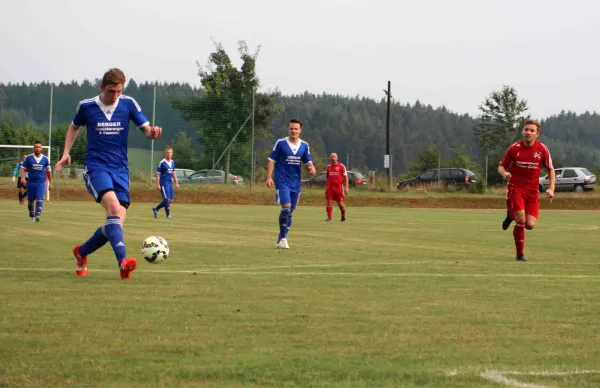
127,267
81,266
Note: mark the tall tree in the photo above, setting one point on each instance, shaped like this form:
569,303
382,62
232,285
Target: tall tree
499,124
501,119
183,151
227,105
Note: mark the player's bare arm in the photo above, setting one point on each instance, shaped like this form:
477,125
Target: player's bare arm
176,181
49,177
70,137
550,191
347,181
270,168
311,168
151,132
505,174
158,181
22,176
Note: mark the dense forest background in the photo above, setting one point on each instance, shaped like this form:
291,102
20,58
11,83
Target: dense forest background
354,127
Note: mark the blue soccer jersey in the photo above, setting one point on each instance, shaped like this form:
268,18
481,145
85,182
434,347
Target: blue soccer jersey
288,160
166,170
108,130
36,168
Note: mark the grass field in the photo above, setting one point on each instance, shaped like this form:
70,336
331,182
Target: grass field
392,297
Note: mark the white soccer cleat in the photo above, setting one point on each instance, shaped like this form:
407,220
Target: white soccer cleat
282,244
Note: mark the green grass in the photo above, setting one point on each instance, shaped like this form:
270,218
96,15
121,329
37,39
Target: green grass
392,297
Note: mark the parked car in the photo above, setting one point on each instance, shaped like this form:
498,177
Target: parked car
451,178
183,174
214,177
570,179
355,178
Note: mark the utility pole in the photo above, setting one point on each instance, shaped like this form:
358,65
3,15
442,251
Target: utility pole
387,160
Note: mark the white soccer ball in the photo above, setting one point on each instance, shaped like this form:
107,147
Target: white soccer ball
155,249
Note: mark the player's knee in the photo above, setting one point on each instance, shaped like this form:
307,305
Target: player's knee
530,225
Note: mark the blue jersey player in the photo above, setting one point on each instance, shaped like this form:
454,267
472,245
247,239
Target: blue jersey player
286,159
37,168
165,175
106,118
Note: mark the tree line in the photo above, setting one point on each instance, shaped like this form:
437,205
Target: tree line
200,122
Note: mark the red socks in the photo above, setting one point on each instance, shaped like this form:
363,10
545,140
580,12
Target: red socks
519,235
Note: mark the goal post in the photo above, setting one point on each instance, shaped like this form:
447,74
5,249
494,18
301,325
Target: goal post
11,153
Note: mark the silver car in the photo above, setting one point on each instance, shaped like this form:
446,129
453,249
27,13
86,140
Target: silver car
571,179
214,176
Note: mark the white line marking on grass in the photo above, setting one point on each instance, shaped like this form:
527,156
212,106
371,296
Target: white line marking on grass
350,274
500,377
329,265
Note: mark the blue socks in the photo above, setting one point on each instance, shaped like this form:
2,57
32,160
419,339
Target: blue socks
39,205
95,242
284,217
160,206
168,208
30,208
114,234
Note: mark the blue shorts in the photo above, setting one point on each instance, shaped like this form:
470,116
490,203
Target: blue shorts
166,191
36,191
100,181
285,195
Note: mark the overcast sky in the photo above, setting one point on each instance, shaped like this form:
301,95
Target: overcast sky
441,52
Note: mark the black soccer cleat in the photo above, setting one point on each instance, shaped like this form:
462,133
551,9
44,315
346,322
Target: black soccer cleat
521,258
507,221
343,219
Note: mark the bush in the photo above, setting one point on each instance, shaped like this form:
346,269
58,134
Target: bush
479,186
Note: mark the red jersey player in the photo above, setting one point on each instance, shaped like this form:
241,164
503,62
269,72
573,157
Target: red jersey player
521,167
336,177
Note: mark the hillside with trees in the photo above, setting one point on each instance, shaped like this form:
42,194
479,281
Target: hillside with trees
353,127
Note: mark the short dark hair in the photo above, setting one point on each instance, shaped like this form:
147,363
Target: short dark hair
37,142
294,121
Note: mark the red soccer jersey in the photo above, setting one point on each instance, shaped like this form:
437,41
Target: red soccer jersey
335,174
525,164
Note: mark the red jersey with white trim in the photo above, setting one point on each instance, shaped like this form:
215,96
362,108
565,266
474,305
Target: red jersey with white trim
525,164
335,174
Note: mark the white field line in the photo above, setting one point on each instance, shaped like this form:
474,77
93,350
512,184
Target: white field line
499,377
340,274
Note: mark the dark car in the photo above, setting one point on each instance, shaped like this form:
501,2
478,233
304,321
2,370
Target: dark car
355,178
451,178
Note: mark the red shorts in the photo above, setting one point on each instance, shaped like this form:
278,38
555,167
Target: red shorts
517,199
334,193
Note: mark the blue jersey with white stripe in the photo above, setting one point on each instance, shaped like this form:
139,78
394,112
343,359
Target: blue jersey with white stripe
166,170
36,168
108,130
288,160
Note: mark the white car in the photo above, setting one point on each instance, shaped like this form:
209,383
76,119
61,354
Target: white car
570,179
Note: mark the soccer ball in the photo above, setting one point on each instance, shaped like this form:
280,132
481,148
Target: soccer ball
155,249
